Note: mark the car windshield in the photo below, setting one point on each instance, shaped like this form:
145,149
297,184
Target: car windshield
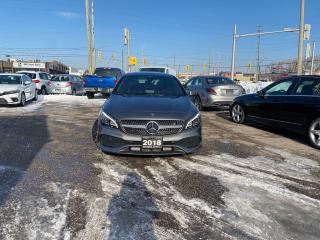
219,80
10,79
149,86
160,70
103,72
60,79
30,75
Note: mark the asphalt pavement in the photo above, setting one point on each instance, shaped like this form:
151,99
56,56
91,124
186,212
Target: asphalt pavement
246,182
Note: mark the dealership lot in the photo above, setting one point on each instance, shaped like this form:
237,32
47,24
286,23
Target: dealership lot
247,181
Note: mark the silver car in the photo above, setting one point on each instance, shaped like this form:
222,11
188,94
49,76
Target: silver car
67,84
16,89
213,91
41,79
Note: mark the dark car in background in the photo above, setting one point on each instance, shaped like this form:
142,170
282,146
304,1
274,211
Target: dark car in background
67,84
149,114
102,81
291,103
213,91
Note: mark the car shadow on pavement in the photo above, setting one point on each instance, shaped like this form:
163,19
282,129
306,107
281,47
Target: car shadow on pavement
22,137
281,132
132,211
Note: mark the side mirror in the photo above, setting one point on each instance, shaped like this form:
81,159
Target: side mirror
261,93
27,83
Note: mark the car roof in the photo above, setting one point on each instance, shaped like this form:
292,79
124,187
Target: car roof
12,74
108,68
155,74
26,71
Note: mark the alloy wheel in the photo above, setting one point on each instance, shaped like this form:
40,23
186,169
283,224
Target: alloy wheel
23,100
314,132
198,103
238,114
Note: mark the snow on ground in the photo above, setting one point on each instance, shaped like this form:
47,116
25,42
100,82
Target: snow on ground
252,87
64,100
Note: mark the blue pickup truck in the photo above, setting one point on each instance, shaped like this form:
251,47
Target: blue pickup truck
102,81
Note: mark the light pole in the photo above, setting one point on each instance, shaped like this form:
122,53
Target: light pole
301,32
88,37
237,36
312,60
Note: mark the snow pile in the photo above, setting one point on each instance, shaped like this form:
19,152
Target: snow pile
253,87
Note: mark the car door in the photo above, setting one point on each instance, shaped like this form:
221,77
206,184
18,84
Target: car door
26,81
268,104
302,102
190,84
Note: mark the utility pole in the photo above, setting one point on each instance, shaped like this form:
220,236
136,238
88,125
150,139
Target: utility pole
233,50
301,33
92,39
258,53
88,37
122,59
312,60
209,60
127,43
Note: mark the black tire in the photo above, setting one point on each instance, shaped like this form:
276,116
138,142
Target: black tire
74,92
238,113
43,91
198,103
105,95
90,95
314,133
22,100
35,96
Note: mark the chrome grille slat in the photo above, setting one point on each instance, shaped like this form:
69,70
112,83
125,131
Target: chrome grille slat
138,127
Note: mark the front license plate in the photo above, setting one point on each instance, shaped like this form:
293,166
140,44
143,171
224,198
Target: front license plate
152,142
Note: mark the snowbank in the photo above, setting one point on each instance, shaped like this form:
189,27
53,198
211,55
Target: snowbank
252,87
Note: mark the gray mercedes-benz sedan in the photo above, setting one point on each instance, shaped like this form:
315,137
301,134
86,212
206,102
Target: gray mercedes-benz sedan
149,114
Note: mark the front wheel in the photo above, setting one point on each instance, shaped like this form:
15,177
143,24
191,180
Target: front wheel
90,95
198,103
314,133
74,92
22,100
237,113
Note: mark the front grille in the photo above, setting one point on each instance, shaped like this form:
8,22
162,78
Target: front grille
139,127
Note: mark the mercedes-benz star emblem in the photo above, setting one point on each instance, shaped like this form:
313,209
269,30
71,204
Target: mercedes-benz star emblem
152,128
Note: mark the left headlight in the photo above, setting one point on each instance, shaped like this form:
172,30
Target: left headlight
11,92
194,121
105,119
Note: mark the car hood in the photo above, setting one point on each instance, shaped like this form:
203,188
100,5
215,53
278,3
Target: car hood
135,107
8,87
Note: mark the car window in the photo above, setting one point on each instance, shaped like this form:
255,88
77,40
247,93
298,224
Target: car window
212,81
10,79
43,76
191,82
198,82
149,86
280,88
308,86
30,75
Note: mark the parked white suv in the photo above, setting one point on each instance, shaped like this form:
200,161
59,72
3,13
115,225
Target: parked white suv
41,79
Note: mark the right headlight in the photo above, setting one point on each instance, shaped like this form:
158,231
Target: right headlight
105,119
194,121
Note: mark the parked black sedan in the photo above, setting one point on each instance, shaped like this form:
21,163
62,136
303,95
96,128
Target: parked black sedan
292,103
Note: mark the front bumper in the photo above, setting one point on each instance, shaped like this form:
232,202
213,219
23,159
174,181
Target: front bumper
115,141
10,99
99,90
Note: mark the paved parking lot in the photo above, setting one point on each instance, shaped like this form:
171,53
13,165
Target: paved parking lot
247,182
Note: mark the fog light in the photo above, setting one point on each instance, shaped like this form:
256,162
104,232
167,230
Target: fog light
167,149
135,149
14,99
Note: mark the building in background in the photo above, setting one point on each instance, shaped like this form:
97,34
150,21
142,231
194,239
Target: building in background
76,71
13,65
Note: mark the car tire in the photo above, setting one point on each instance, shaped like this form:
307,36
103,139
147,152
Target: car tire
90,95
35,96
198,103
74,92
105,95
43,91
22,100
238,114
314,133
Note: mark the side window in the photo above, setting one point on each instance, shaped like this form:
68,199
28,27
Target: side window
191,82
198,82
280,88
43,76
308,86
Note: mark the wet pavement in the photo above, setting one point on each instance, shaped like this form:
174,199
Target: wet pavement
246,182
